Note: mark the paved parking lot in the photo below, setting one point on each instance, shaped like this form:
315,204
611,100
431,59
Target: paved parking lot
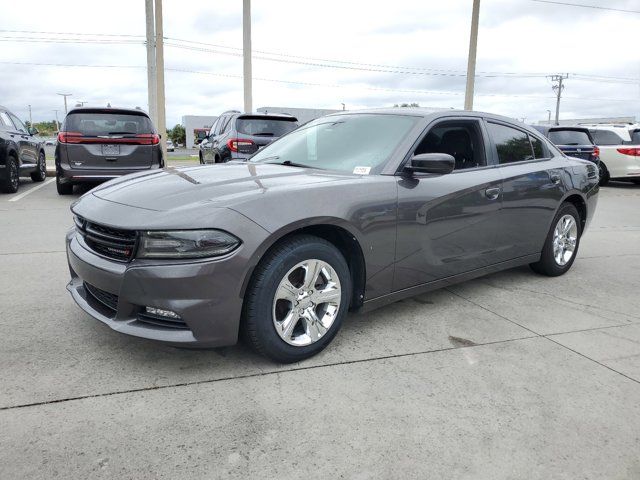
509,376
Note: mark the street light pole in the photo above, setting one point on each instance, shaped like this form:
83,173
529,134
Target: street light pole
30,118
65,95
162,122
57,122
471,63
246,54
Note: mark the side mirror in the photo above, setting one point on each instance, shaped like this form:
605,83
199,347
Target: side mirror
440,163
33,131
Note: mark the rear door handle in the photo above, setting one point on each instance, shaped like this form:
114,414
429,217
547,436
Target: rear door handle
492,193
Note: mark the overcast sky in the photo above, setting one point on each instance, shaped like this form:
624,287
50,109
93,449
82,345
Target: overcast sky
380,53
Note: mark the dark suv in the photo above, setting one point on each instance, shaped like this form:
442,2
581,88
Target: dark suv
21,153
98,144
237,136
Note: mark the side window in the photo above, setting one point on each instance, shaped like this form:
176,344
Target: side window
5,121
212,130
462,139
606,137
18,123
219,124
538,149
513,145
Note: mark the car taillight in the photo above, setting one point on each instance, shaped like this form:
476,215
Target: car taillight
634,151
241,145
69,137
148,139
596,151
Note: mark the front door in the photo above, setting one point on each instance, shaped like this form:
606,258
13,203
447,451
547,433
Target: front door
447,223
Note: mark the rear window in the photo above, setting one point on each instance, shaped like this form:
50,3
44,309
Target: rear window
606,137
635,137
569,137
265,127
97,124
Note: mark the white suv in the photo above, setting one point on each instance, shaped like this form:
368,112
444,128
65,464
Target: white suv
619,151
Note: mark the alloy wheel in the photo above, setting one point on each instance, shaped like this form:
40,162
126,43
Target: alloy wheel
565,239
13,175
43,165
306,302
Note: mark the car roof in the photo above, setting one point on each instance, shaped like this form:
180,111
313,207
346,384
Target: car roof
135,111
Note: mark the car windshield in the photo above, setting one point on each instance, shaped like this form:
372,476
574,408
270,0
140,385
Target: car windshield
100,124
350,143
267,127
569,137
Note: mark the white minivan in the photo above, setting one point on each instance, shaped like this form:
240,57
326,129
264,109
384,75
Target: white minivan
619,151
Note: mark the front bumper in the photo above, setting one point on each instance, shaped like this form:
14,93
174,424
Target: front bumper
206,294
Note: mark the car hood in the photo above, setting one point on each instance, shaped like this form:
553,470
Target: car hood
225,185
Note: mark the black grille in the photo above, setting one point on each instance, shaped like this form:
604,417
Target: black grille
107,299
107,241
159,321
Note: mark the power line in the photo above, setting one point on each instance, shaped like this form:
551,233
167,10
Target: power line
293,82
597,7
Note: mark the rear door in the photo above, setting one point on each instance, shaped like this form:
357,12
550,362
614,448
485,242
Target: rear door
111,139
26,147
533,184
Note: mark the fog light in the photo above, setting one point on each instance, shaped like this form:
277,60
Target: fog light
161,313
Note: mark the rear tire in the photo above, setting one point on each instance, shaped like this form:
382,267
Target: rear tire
297,299
561,247
41,173
10,183
604,174
63,188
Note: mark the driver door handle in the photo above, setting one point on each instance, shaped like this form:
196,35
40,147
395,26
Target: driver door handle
492,193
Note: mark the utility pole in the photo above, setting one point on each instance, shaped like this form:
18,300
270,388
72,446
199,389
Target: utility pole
162,122
558,88
30,119
471,63
65,95
151,62
246,54
549,116
57,122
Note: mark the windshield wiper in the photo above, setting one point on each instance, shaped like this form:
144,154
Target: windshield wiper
120,133
263,134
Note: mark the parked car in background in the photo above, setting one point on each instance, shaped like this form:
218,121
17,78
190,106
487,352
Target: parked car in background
619,146
21,153
352,211
170,146
98,144
573,141
237,136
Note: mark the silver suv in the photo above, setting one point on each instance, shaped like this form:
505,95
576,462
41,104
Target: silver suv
98,144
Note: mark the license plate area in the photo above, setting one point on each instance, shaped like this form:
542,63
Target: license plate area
110,149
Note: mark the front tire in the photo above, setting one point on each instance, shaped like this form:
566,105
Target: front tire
297,299
63,188
11,181
41,173
561,247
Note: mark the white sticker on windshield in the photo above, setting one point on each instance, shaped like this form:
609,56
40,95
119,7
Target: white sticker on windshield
362,170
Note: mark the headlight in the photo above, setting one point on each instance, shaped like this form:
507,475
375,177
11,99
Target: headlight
186,244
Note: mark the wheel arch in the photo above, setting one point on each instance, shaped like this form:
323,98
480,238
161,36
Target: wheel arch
337,232
578,201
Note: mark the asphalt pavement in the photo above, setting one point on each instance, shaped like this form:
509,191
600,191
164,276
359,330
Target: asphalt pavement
509,376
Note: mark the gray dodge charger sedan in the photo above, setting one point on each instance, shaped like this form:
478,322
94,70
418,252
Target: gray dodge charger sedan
349,212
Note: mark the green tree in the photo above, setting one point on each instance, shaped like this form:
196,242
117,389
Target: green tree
412,104
177,135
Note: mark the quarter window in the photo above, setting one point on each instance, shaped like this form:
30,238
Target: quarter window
513,145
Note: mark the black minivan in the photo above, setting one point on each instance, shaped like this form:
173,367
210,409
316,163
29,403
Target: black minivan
98,144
